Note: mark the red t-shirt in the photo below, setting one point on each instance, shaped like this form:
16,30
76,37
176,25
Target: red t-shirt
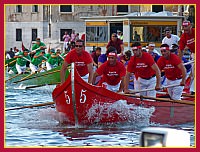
116,45
188,40
80,61
141,67
112,74
172,72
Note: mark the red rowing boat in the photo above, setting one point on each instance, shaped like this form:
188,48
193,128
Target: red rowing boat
85,104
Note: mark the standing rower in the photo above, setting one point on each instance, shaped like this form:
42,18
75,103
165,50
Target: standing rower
38,46
83,62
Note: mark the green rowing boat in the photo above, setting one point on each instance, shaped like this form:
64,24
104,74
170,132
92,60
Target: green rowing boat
39,79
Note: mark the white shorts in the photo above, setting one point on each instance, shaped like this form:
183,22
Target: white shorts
49,66
113,88
20,69
33,68
147,84
85,77
175,92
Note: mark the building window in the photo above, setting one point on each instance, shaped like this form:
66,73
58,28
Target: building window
97,34
18,34
35,8
34,34
65,8
122,9
62,32
150,33
157,8
19,8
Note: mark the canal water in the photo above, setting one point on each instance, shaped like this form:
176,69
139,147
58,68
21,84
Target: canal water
41,127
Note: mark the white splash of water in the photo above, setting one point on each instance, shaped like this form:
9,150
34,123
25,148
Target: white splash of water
20,87
44,118
126,112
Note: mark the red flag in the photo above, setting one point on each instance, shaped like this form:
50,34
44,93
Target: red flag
23,47
49,49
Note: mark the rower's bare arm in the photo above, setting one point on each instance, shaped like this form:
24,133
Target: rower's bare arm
94,77
43,47
122,49
126,82
180,53
122,84
99,64
183,70
90,70
63,72
158,76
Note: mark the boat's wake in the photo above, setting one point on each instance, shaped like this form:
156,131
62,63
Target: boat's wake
121,111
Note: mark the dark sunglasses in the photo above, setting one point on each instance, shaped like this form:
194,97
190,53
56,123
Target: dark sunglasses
163,50
114,36
78,46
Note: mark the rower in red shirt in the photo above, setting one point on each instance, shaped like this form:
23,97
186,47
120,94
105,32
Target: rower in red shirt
187,41
145,69
175,71
187,38
83,62
113,72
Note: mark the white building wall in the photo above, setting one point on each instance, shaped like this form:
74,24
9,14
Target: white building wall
26,33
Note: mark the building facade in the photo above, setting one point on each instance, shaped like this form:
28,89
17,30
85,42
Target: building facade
24,23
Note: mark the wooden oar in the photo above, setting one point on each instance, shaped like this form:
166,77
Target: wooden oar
183,94
31,106
36,86
11,62
162,99
41,68
38,76
26,59
13,77
24,78
188,95
61,57
34,51
144,90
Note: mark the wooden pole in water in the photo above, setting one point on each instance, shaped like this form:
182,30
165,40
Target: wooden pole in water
31,106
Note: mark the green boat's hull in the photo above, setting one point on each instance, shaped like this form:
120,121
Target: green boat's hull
39,79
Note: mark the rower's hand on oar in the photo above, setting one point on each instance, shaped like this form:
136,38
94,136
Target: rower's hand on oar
127,91
42,47
182,83
120,90
158,87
